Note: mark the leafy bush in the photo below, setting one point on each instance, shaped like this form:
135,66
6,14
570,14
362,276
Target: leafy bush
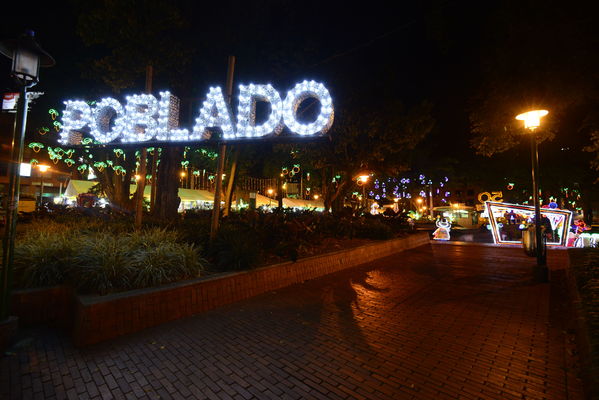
371,228
96,251
235,248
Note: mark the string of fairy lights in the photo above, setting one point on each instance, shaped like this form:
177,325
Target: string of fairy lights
407,187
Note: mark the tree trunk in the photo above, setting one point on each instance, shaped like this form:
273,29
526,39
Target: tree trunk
167,196
117,187
138,198
338,195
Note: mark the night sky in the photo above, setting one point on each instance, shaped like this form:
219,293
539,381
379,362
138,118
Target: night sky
445,52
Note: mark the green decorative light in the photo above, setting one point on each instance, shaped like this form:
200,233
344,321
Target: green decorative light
86,141
36,146
100,165
43,130
53,113
118,152
69,162
57,126
82,168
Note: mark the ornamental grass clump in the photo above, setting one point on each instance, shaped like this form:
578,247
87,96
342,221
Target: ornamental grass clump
141,259
43,257
158,257
99,261
102,264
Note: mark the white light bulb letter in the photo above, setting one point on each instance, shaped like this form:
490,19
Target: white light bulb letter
168,119
106,111
246,112
213,114
296,96
76,116
141,124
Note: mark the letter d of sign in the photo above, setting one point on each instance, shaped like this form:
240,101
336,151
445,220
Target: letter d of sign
246,112
296,96
76,115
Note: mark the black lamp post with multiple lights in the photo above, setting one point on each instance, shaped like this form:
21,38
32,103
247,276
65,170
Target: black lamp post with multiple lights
27,58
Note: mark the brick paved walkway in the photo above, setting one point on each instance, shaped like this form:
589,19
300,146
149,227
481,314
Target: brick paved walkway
440,321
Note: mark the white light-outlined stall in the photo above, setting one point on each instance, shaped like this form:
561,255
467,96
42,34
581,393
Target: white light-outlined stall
505,220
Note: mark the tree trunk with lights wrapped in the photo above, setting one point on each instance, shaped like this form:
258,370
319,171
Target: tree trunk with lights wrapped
116,186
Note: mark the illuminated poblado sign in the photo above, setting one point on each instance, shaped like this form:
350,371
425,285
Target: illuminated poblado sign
144,117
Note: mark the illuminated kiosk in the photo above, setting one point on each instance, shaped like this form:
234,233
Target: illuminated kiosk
506,220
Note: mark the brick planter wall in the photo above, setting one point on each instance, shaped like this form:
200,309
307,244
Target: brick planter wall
50,306
99,318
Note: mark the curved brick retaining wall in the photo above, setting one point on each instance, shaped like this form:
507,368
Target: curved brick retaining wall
98,318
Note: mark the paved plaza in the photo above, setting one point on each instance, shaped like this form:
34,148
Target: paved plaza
441,321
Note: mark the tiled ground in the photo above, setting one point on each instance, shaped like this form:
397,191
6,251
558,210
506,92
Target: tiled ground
436,322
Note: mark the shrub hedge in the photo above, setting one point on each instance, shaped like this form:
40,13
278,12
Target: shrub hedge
97,252
96,259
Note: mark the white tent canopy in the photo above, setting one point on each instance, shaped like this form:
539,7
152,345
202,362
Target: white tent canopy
76,187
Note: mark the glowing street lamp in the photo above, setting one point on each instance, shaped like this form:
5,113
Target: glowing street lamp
27,57
42,168
363,179
270,193
532,121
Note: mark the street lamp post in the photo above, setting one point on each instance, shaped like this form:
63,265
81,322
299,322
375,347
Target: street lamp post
364,180
532,120
27,58
42,168
270,192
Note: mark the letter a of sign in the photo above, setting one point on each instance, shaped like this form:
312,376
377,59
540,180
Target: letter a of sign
213,114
